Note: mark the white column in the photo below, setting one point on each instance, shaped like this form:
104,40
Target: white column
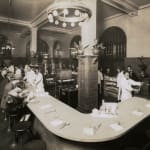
88,29
33,48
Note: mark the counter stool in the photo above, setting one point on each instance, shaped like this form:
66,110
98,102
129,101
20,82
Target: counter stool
19,129
13,110
12,119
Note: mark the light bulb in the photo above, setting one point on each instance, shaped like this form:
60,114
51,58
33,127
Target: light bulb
56,22
50,16
77,12
3,48
80,23
64,24
66,12
72,24
85,15
51,20
55,13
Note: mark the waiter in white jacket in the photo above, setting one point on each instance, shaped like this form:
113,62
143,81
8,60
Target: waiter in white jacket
38,80
127,86
29,76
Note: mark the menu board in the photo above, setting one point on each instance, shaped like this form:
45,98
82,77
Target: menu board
110,88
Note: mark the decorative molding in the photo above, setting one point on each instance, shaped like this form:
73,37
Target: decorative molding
144,6
124,6
38,20
63,30
114,16
122,14
134,5
15,21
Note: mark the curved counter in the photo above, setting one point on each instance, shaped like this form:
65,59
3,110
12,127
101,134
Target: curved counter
48,109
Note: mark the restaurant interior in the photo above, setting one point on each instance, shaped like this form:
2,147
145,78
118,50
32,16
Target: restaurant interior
79,49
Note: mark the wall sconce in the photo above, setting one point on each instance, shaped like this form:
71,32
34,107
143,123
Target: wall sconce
68,13
8,46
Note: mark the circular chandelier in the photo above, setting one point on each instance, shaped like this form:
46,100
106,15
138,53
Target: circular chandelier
68,13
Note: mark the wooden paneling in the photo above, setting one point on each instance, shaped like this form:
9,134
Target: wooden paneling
110,89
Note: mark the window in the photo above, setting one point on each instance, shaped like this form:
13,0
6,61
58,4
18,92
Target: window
114,40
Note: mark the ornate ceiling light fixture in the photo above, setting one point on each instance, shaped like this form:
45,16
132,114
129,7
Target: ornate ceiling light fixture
68,13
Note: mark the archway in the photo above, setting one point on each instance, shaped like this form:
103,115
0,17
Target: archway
42,48
75,43
114,39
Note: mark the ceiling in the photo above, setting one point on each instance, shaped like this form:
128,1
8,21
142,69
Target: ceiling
25,10
141,2
28,10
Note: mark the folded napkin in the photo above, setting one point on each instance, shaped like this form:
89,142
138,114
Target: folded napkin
116,127
45,106
147,105
50,110
59,123
137,113
41,94
89,131
103,115
34,101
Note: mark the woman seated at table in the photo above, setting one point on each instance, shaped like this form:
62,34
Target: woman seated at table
126,86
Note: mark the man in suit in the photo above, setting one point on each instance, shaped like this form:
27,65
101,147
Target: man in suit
132,74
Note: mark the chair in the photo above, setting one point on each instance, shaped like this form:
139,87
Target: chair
20,128
13,110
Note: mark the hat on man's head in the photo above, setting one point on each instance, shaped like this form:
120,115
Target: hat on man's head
34,65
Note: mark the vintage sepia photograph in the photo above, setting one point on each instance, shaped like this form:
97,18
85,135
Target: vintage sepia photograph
74,75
